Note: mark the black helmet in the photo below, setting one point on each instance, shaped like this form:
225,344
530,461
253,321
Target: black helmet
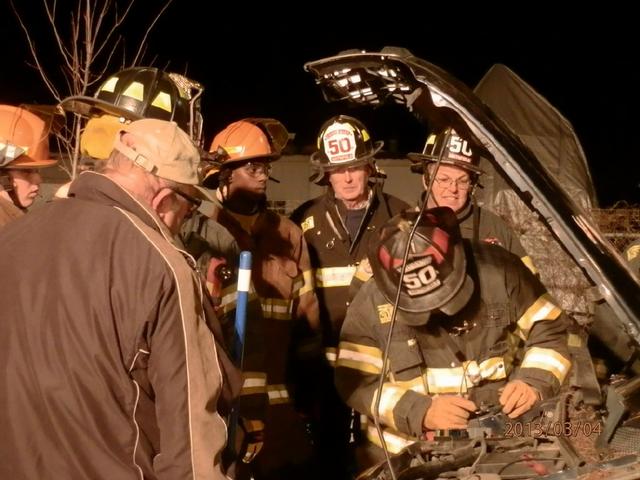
343,142
436,273
145,92
458,152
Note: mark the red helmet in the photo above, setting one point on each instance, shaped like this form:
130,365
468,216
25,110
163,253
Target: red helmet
435,277
24,139
457,152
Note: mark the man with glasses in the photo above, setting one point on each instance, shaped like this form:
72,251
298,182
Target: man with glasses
455,178
110,366
281,277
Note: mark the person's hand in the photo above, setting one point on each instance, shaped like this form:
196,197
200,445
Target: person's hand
250,439
518,398
448,411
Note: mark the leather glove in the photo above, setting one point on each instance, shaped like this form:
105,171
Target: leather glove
252,439
448,412
518,398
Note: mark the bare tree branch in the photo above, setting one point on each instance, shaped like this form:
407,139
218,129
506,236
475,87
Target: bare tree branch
89,50
51,15
143,42
32,48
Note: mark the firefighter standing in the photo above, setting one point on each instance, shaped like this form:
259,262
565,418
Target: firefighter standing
280,275
337,227
454,182
474,328
24,150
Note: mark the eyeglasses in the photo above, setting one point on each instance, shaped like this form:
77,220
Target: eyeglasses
255,169
461,183
194,202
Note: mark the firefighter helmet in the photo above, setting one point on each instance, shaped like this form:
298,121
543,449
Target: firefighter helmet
343,142
245,140
436,273
24,139
145,92
458,152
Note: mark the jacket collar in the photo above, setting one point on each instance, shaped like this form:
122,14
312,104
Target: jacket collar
98,188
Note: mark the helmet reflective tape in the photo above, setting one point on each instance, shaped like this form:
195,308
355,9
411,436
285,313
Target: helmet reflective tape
9,152
135,90
339,143
109,85
163,101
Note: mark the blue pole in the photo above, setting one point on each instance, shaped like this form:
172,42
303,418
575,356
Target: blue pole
240,327
244,280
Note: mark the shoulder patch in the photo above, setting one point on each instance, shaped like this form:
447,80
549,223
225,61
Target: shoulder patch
307,224
633,252
384,312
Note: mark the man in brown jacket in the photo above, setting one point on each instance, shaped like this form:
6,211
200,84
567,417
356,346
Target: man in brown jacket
109,368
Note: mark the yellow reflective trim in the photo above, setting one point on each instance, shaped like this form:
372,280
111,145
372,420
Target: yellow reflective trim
277,394
334,276
276,308
304,283
547,359
395,441
359,357
135,91
298,283
253,383
109,85
162,101
390,396
307,224
574,340
542,309
460,379
528,262
331,355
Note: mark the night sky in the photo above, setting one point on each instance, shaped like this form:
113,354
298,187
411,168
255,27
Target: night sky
251,63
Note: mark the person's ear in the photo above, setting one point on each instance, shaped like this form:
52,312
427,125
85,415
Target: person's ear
127,139
162,202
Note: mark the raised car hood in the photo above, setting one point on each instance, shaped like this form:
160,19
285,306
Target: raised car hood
394,75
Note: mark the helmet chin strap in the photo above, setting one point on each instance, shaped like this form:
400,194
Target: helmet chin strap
7,186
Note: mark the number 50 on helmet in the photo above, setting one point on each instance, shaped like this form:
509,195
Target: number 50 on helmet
435,277
343,142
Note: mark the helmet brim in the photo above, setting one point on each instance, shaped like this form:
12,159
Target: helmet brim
419,159
26,162
91,107
454,293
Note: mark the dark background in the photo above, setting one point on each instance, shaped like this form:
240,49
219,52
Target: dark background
250,60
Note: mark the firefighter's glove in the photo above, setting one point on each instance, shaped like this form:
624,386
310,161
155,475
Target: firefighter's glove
518,398
253,439
448,412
